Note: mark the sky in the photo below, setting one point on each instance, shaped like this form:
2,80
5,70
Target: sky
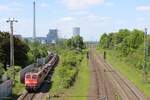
94,17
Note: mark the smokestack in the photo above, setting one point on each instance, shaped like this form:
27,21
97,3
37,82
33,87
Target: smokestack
34,23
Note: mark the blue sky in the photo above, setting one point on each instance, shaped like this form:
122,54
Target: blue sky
94,17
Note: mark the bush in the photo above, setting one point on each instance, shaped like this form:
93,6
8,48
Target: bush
66,76
67,70
9,73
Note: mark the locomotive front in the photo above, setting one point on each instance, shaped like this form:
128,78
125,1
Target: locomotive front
31,81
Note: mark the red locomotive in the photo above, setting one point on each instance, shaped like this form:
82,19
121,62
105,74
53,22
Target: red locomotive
35,78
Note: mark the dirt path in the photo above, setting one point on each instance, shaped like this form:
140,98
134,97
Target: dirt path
108,84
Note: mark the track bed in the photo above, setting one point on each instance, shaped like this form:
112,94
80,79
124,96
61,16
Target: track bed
109,84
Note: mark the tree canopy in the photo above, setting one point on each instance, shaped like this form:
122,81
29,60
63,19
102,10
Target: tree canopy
20,50
127,43
75,43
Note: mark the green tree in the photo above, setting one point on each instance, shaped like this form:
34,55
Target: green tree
104,41
20,50
75,43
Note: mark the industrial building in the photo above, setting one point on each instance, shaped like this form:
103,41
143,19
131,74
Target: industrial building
52,36
76,31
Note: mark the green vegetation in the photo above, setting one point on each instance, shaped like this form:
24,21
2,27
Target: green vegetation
25,53
18,88
71,67
125,52
72,74
20,52
75,43
128,70
128,44
66,70
80,89
37,50
61,84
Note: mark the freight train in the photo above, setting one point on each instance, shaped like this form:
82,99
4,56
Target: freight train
35,77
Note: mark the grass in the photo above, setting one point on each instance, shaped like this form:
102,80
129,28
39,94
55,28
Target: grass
128,71
79,90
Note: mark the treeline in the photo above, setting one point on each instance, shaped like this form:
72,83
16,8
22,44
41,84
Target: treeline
128,44
74,43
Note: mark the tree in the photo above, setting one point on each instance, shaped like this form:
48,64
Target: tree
104,41
75,43
20,50
37,50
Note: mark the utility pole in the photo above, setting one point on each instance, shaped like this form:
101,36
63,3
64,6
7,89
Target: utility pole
11,21
145,55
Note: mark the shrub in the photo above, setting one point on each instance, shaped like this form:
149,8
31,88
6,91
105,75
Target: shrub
66,71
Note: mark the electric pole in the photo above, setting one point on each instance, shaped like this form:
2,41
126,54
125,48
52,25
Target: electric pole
11,21
145,55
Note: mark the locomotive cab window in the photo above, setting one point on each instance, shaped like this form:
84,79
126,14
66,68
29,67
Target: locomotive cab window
34,77
28,76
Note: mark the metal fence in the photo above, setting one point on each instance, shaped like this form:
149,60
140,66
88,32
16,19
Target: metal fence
6,89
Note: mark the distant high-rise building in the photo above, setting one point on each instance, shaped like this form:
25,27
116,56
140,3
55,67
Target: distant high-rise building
52,36
76,31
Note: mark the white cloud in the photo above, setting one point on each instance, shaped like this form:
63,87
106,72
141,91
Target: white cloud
143,8
4,8
81,4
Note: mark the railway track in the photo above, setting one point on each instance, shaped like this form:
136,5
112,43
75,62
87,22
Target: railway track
125,89
104,89
27,96
44,75
130,92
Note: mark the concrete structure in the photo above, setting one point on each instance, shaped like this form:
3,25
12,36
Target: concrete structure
76,31
34,22
40,39
18,36
52,36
